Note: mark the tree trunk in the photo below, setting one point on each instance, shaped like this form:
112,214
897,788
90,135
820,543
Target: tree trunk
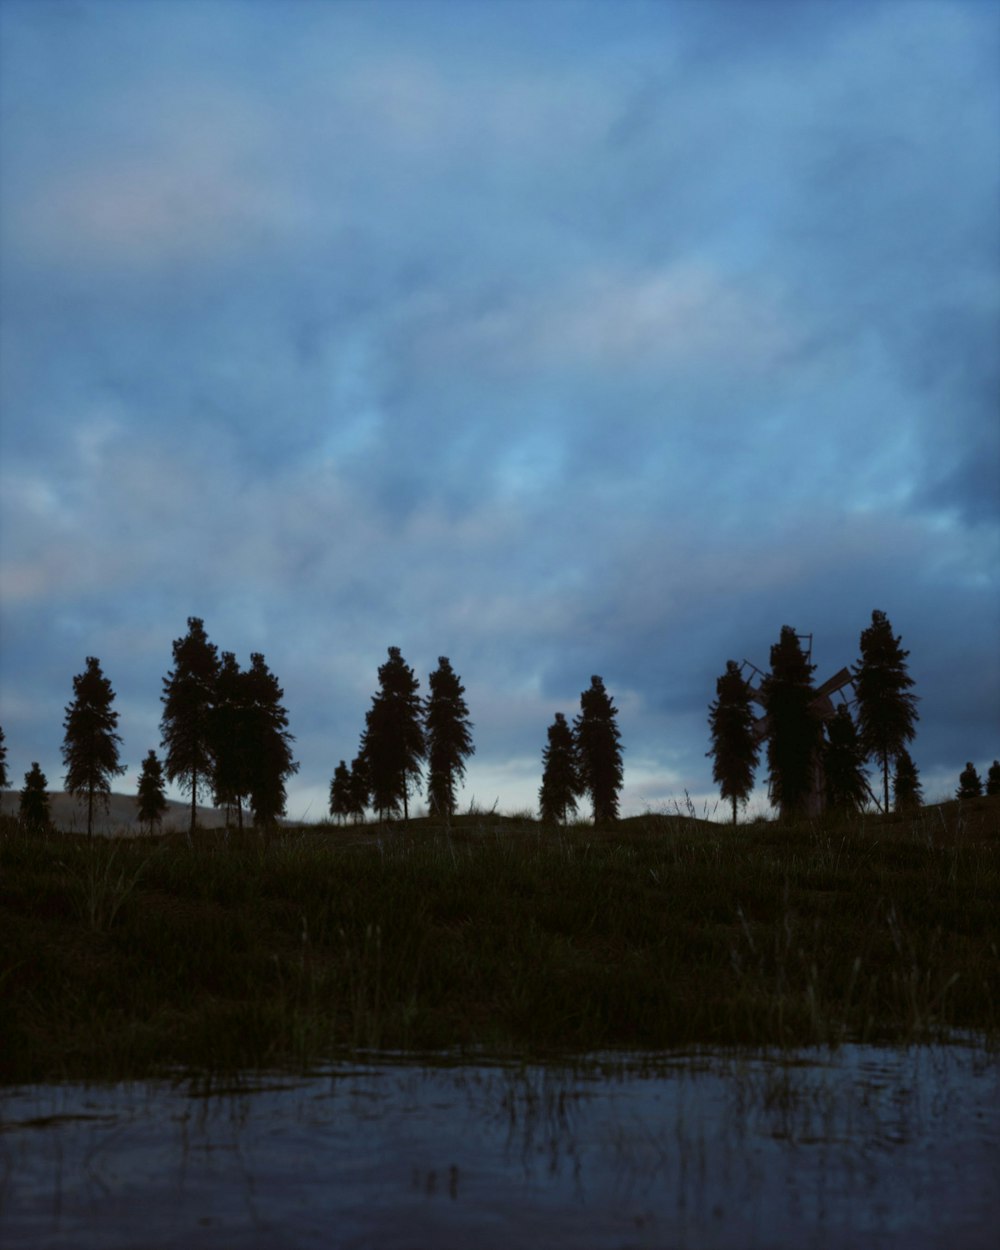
734,811
885,780
90,810
194,802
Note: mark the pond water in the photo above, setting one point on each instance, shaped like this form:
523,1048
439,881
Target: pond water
859,1147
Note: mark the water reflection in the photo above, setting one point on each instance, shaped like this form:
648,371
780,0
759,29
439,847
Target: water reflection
861,1147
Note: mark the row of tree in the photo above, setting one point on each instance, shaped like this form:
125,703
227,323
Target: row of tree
816,756
224,731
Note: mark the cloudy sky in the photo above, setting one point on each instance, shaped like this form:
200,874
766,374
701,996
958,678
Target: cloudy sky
556,337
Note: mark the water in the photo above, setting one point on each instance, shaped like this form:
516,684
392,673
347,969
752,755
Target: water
863,1147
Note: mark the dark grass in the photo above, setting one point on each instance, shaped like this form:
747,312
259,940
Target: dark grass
133,957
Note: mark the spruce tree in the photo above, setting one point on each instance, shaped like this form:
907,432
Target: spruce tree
393,744
231,780
448,736
4,780
151,798
970,784
887,712
34,806
561,785
794,732
993,778
360,793
90,746
907,791
341,798
844,786
599,752
734,745
268,742
188,702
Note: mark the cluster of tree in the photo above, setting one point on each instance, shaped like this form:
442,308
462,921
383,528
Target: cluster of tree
817,759
585,758
970,784
402,732
224,730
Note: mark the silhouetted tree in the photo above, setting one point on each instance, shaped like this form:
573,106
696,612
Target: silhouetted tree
268,743
188,702
970,784
887,713
734,745
151,798
34,805
231,749
360,795
561,785
907,792
90,746
598,751
993,778
448,735
393,744
4,780
794,731
844,785
341,798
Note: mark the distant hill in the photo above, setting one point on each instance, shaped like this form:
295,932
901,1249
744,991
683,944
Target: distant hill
121,815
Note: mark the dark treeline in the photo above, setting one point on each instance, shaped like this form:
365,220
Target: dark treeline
225,735
817,751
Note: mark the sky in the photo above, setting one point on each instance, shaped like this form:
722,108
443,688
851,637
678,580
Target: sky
559,338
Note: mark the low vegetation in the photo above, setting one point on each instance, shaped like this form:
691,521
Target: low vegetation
129,957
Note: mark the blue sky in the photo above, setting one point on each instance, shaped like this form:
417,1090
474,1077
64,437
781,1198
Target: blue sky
558,338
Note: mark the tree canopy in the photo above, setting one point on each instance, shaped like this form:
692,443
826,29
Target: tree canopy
887,712
187,724
34,804
561,785
970,784
393,745
907,791
448,737
151,798
845,788
734,749
794,731
90,745
599,752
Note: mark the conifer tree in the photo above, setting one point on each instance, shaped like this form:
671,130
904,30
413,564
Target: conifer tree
34,805
360,794
393,744
187,724
448,736
90,746
970,784
844,785
598,750
794,732
887,712
907,791
231,779
993,778
4,780
268,743
151,798
734,745
341,798
561,785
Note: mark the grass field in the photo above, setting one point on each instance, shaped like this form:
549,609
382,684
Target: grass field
131,957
